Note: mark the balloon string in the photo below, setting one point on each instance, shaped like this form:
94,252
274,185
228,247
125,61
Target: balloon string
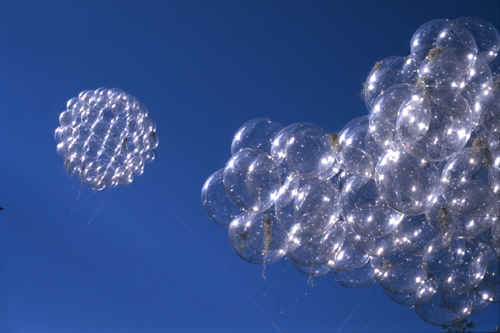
217,261
384,314
102,204
356,307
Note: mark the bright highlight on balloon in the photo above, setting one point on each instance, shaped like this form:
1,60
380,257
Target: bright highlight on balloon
407,196
105,138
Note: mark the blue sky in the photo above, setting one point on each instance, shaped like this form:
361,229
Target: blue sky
145,257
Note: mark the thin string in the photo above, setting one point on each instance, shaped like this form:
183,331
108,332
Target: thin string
103,203
217,261
356,307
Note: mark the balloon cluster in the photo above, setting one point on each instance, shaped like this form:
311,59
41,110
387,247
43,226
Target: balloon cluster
105,138
407,196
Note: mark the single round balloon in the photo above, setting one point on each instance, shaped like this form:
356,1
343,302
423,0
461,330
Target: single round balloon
257,237
105,138
304,148
252,179
257,133
215,201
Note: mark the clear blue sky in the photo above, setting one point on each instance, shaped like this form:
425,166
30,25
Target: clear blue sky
151,260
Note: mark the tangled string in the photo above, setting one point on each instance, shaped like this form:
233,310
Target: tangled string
105,138
407,196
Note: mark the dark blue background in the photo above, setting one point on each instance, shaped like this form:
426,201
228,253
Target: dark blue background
150,259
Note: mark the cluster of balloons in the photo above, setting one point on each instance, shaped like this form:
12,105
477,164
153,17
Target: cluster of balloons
407,196
105,138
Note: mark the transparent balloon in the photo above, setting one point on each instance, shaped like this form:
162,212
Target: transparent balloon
215,201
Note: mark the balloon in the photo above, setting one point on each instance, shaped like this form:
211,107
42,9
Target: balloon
257,133
215,201
252,180
257,237
105,138
304,148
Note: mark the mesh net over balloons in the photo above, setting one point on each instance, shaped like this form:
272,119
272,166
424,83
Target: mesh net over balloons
105,138
406,196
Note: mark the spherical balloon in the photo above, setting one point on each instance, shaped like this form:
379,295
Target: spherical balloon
443,310
307,205
487,102
425,36
105,138
406,183
252,180
215,201
348,259
314,251
466,186
359,153
400,273
358,278
384,114
485,35
257,133
304,148
456,35
384,74
434,123
363,209
257,237
417,237
420,296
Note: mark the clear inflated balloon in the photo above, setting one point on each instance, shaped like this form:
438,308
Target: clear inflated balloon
478,78
304,148
419,296
372,246
466,185
461,276
358,278
400,273
385,74
456,35
348,258
447,67
485,35
314,251
257,237
434,123
407,183
252,179
451,223
487,103
105,138
257,133
384,114
443,309
416,236
364,211
359,153
215,201
426,35
307,205
489,287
